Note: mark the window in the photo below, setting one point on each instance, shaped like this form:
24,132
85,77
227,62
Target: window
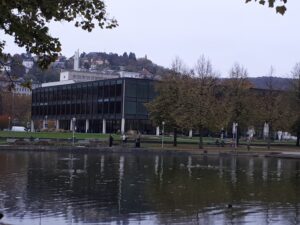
100,92
106,91
130,108
131,89
99,107
118,107
118,90
112,90
142,90
112,107
141,109
105,108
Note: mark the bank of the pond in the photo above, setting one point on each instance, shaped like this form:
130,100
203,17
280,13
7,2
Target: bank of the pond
278,152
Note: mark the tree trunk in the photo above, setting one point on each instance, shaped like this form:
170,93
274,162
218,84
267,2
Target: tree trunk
238,134
200,138
175,137
269,143
269,138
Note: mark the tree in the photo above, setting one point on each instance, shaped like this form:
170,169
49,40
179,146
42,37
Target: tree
16,106
280,7
237,97
295,101
27,21
196,108
164,106
17,68
271,107
43,76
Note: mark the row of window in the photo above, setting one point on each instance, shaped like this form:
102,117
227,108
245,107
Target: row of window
73,93
84,91
101,97
78,109
99,108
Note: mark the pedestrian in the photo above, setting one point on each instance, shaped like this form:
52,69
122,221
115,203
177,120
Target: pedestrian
124,138
111,139
138,141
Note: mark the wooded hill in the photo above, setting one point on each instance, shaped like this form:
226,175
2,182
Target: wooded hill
101,61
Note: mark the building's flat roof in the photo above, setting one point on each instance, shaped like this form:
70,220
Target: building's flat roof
91,82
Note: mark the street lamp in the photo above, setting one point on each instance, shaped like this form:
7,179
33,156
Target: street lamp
73,128
163,133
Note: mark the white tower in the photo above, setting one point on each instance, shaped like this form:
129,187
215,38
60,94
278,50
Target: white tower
76,60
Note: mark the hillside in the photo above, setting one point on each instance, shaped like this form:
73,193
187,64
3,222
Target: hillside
24,66
278,83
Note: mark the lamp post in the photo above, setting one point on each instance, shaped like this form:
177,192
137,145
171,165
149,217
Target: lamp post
163,133
73,129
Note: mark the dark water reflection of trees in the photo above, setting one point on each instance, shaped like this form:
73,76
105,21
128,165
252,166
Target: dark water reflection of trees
64,188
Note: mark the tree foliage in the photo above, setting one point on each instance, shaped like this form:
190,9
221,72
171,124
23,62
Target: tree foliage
197,99
295,101
164,107
27,21
278,4
237,96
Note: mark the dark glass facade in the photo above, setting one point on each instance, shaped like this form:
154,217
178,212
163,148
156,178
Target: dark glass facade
95,103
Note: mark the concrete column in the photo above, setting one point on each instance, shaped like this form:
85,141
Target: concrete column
32,126
190,133
123,126
87,125
57,125
157,131
104,126
44,124
71,125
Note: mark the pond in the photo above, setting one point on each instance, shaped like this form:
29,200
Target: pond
64,188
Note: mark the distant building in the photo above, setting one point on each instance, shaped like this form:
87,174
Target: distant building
83,76
76,61
5,84
56,83
6,68
102,106
28,64
73,76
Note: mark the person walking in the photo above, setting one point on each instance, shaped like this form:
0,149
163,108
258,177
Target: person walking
110,140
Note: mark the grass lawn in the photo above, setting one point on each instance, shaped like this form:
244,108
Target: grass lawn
151,139
56,135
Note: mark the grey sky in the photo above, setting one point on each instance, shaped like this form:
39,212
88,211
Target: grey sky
225,31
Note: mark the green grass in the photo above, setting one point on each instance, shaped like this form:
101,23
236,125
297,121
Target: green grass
167,139
55,135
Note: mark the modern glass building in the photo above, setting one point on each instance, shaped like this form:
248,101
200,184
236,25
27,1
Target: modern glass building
103,106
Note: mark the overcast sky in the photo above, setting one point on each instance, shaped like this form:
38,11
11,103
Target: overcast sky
225,31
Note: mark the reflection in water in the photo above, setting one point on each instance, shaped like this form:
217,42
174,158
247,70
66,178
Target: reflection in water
161,171
221,167
61,188
250,170
279,168
102,164
233,170
121,174
189,165
156,164
265,169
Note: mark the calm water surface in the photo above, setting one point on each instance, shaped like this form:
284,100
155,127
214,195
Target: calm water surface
61,188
